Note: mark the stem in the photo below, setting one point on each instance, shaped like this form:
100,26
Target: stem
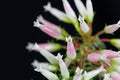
90,26
105,40
100,33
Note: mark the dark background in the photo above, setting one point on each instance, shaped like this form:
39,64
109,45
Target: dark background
19,30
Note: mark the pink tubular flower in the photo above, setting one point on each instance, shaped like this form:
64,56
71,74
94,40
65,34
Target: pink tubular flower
71,52
110,54
50,46
49,28
94,57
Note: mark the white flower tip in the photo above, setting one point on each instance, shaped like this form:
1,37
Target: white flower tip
48,6
30,46
59,56
81,19
35,63
38,69
69,39
102,68
78,71
37,24
118,23
40,18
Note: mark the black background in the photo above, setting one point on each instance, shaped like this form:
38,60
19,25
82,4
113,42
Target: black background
18,23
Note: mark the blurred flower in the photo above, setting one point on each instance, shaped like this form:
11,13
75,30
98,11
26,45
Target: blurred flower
78,75
57,13
110,54
94,57
115,75
63,68
115,42
84,27
107,77
71,52
117,59
49,56
112,28
93,73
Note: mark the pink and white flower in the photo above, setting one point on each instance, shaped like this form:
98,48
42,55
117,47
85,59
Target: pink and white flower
71,52
49,28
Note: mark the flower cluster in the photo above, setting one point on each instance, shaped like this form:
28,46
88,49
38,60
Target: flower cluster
86,56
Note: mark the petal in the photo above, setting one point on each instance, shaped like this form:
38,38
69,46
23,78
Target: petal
63,67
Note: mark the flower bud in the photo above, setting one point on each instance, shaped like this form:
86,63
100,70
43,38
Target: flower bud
94,57
49,56
63,68
83,25
71,52
115,42
90,12
112,28
57,13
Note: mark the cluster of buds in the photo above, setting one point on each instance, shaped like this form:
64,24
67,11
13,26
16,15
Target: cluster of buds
86,56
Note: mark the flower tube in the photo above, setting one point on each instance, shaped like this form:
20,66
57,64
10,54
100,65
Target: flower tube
49,75
49,56
110,29
63,67
91,74
71,52
57,13
50,46
90,12
115,42
69,11
50,29
43,65
81,8
110,54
